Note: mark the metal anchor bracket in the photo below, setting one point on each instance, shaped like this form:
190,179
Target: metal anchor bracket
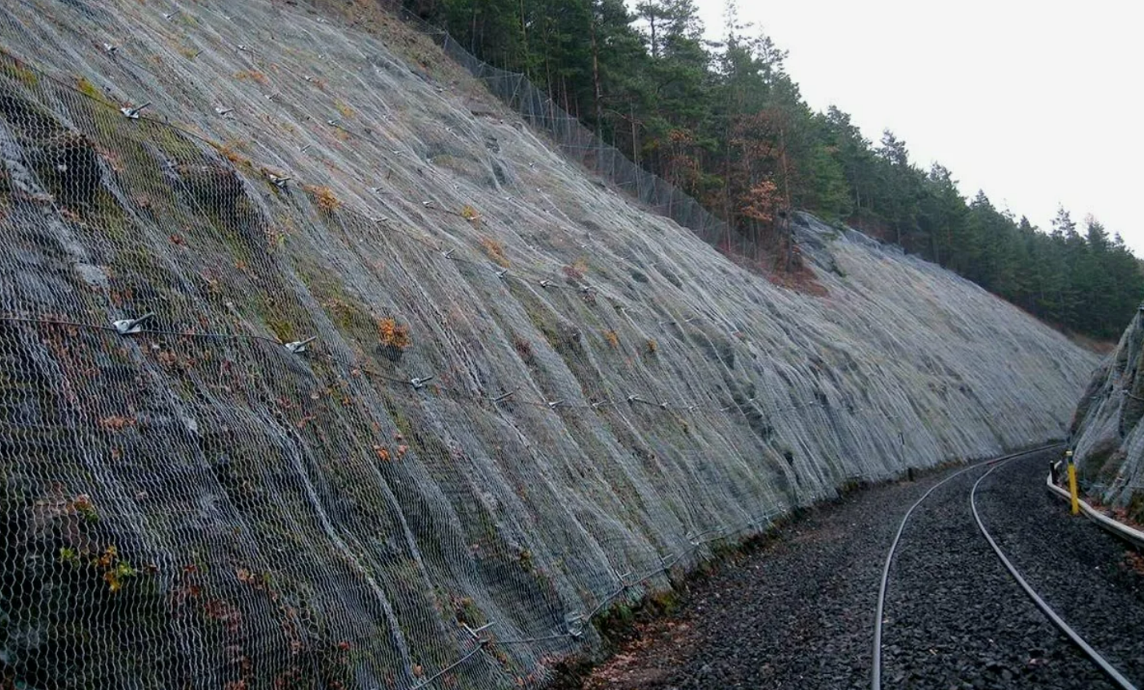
574,624
133,113
506,396
475,632
131,326
297,347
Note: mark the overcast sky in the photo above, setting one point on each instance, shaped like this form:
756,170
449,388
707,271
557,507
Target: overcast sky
1037,103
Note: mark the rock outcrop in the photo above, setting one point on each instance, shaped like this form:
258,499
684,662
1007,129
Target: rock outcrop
1106,431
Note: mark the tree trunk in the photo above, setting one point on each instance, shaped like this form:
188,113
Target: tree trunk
635,134
599,93
654,44
473,32
784,222
527,58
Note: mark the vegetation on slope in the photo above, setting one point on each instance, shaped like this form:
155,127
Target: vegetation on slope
196,505
726,123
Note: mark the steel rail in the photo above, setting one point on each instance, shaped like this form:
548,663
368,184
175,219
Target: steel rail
1079,641
876,673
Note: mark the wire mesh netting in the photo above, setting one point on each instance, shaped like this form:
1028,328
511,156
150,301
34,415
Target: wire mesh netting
1106,430
582,145
322,370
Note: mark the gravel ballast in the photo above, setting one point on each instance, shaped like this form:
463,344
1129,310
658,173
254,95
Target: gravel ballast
954,615
1092,579
799,612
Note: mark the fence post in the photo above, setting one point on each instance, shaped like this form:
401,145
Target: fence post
1072,483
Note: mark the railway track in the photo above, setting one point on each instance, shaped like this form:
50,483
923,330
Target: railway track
944,632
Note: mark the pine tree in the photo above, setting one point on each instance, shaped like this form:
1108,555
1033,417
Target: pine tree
727,123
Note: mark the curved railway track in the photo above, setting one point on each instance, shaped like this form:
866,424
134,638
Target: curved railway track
1021,583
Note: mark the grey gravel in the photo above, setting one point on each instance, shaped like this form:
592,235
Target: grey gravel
799,612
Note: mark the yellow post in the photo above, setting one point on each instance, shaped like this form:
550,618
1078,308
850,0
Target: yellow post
1072,483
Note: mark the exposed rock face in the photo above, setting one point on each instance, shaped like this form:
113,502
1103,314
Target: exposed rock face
1106,429
526,396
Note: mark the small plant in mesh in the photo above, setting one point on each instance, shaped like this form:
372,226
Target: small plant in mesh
612,338
115,569
575,272
323,197
525,560
466,611
232,150
347,315
15,69
83,506
393,338
69,556
495,251
88,89
116,423
282,329
470,214
275,236
111,567
251,75
524,349
652,346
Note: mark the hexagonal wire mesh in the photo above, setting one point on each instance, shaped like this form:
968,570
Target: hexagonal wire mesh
414,400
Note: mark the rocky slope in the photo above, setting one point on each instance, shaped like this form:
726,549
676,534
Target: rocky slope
527,397
1106,430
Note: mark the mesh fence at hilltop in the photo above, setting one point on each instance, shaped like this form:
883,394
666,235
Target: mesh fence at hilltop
313,377
582,145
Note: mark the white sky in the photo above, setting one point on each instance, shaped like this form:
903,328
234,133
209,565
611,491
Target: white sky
1037,103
